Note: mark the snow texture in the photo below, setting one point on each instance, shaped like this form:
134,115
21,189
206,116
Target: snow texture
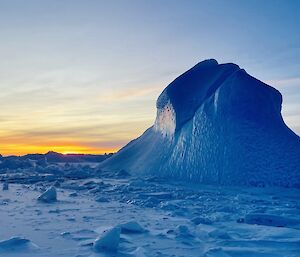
216,124
173,219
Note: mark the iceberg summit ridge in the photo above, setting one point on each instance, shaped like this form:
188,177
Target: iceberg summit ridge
187,92
216,124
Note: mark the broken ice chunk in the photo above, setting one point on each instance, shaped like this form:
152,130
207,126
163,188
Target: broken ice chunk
49,195
5,186
132,227
108,241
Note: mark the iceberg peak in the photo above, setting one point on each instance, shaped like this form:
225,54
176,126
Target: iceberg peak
182,97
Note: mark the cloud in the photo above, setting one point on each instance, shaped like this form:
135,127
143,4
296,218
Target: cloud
288,82
293,122
81,137
129,94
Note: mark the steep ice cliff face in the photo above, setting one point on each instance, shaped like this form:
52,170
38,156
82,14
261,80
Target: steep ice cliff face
216,124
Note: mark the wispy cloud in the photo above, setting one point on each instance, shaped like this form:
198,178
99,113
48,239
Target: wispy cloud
128,94
287,82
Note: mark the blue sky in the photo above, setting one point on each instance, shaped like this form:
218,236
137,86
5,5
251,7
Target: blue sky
83,76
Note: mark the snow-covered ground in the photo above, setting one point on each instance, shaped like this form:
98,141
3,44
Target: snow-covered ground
120,215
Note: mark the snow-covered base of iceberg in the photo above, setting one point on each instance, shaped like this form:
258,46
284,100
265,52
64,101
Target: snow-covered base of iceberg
153,217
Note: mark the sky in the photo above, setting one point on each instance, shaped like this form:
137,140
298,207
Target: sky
83,76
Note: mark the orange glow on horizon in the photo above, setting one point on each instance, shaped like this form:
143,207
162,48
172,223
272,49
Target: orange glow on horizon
20,149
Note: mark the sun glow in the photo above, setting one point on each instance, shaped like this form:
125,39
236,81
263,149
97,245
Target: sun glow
21,149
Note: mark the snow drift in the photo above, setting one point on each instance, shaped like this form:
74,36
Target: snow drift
216,124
